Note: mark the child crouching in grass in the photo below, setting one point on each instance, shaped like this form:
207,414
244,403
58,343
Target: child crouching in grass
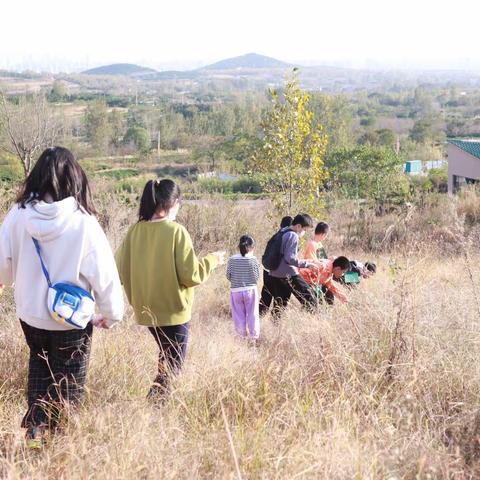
243,272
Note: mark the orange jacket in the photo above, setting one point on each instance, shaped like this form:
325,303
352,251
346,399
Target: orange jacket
324,275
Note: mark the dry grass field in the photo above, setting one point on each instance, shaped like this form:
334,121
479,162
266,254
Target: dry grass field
385,387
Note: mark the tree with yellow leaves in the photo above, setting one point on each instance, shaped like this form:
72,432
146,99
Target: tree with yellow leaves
290,156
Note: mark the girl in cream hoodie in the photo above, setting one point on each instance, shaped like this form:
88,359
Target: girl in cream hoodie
55,207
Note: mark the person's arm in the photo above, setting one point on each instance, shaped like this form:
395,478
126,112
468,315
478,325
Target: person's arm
190,270
100,269
335,291
6,268
290,252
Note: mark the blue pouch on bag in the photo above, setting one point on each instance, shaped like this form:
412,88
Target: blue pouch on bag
67,304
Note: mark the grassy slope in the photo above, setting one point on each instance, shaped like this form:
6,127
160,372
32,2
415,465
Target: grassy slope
314,401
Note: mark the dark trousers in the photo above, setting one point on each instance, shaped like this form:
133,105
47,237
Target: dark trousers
57,371
327,296
266,296
284,288
172,341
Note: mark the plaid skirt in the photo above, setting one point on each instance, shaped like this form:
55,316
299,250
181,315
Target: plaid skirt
57,372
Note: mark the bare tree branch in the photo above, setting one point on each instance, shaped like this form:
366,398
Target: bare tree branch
27,127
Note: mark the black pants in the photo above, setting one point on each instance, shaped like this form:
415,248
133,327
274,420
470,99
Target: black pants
283,288
267,293
172,341
57,372
327,296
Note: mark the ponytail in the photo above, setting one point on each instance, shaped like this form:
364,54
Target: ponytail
246,244
158,195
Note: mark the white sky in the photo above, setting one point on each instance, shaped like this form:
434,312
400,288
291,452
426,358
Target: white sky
75,34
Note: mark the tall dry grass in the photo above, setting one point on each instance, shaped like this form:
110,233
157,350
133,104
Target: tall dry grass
384,387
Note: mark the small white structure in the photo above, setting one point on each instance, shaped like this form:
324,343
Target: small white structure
430,164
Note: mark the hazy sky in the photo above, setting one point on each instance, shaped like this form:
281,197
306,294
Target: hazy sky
67,34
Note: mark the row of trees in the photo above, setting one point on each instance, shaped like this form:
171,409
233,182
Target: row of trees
196,123
167,126
300,146
297,166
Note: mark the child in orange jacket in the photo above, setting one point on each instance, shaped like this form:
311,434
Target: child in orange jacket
328,270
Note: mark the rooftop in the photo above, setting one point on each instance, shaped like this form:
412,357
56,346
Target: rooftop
471,146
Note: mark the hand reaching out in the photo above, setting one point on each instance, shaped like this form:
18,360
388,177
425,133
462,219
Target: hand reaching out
342,297
312,266
220,256
100,321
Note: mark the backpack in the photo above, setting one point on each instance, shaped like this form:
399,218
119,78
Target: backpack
273,251
67,304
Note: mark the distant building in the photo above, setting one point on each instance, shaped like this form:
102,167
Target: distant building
413,167
463,163
417,167
225,177
434,164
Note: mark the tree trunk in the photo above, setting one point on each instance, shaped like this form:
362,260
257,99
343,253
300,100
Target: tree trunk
26,164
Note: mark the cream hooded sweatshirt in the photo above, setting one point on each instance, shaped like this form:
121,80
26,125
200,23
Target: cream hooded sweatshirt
75,250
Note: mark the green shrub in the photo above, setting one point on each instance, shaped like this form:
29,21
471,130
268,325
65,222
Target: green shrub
247,185
215,185
119,173
10,169
439,179
185,171
132,185
139,137
11,173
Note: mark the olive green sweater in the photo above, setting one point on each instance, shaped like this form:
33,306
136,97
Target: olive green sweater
158,268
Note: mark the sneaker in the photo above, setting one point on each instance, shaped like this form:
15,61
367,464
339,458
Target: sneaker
34,438
159,391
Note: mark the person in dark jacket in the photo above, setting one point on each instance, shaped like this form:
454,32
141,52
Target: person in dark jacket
285,279
266,295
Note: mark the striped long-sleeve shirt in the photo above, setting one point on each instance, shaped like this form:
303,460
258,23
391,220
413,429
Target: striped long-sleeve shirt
243,272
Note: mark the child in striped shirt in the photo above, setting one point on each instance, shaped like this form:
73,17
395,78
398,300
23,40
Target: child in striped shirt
243,272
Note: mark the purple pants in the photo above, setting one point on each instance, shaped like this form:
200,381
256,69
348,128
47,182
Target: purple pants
245,313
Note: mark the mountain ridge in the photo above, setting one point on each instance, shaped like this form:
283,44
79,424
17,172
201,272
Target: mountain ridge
129,69
247,61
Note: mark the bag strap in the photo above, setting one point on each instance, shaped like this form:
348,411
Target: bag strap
44,268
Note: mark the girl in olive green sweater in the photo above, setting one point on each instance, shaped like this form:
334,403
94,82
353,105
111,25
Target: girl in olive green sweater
158,268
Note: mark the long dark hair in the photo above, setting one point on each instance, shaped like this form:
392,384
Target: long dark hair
157,195
57,174
246,244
